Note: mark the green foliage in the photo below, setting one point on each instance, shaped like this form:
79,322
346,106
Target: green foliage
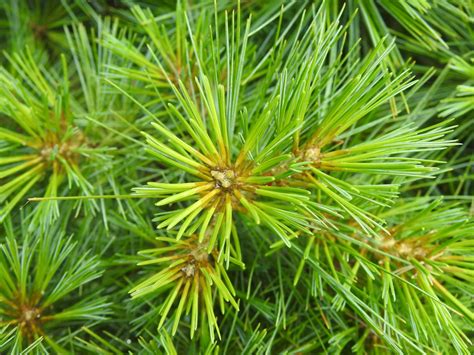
42,138
192,271
236,177
42,291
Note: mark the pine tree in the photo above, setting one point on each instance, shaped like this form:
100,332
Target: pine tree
236,177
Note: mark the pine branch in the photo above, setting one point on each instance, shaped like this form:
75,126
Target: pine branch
38,279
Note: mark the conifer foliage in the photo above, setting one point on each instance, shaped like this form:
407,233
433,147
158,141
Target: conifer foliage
236,177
